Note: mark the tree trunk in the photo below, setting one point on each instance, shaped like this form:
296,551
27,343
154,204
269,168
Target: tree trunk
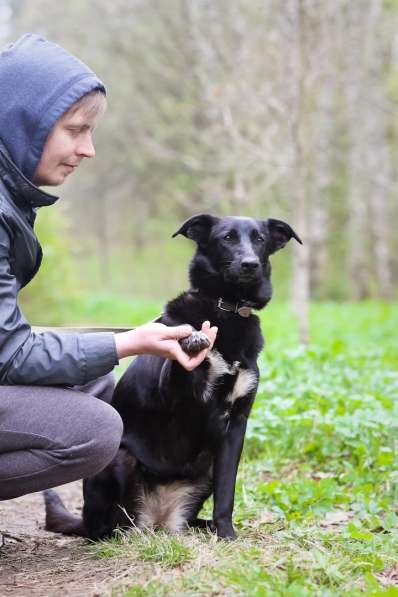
301,254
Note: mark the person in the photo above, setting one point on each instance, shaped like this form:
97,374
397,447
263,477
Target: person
56,425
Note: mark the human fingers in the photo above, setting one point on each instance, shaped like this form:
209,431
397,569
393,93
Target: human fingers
205,326
211,332
212,335
196,360
189,361
177,332
183,358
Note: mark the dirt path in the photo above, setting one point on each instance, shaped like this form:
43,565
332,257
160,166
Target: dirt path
36,563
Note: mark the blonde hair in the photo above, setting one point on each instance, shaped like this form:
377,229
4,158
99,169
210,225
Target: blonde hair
92,103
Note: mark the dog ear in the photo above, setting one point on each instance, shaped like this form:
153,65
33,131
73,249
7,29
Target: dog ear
197,228
279,234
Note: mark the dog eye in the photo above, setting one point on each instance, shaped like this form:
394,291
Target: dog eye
228,237
260,239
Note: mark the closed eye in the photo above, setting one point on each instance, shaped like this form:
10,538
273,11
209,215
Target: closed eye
79,128
74,130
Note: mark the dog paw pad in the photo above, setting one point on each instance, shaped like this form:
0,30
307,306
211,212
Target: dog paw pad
194,343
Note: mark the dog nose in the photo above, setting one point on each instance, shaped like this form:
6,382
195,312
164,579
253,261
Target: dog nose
250,264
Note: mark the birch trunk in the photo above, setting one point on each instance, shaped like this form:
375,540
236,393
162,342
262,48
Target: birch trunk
301,253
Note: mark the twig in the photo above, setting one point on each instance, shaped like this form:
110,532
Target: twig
8,536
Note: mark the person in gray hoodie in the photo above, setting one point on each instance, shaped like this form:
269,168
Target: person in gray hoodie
56,425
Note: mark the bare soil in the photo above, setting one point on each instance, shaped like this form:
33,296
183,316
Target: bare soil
36,563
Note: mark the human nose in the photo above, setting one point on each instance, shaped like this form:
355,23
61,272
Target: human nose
86,147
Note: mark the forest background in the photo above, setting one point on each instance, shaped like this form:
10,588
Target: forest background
264,108
259,108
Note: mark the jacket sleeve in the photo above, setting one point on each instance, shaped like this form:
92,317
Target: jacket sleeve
47,358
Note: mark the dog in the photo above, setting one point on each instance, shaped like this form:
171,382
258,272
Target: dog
184,430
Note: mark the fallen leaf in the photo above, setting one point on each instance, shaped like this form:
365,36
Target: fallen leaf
318,475
267,517
388,577
336,518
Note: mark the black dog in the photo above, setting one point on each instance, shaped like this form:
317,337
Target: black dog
184,431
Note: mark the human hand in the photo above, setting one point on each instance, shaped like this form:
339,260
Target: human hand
159,339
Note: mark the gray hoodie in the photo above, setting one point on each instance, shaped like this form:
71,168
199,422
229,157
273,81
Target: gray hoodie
39,81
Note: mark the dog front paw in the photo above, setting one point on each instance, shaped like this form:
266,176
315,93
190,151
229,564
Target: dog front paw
194,343
226,531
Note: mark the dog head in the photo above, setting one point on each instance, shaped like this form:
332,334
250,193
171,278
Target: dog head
232,257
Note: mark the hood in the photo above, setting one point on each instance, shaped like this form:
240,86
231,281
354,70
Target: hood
39,81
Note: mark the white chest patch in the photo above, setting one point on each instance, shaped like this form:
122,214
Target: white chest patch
218,368
245,381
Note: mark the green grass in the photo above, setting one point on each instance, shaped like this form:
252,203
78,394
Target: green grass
160,547
316,494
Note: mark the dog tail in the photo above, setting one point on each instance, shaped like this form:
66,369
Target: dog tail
58,519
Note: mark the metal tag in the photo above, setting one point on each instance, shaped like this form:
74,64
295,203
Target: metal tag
245,311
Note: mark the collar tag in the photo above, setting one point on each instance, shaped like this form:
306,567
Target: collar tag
244,311
234,308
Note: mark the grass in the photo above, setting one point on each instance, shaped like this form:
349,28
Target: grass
168,550
316,494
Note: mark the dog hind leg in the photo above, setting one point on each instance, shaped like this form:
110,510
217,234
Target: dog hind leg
202,523
58,519
109,495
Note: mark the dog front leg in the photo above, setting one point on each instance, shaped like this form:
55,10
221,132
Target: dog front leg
176,381
225,471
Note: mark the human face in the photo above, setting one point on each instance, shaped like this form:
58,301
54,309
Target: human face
69,142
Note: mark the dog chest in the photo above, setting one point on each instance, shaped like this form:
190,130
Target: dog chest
244,380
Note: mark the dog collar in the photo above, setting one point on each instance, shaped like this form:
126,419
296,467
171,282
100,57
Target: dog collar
242,310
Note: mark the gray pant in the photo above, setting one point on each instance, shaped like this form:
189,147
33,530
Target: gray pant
50,436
